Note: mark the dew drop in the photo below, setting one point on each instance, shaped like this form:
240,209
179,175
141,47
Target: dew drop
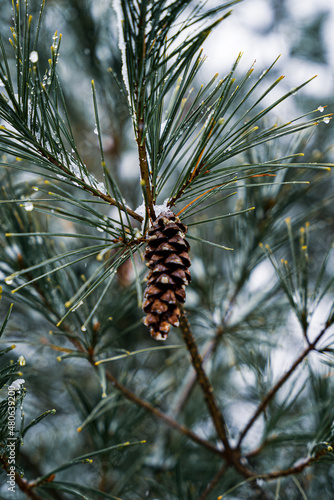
321,109
83,328
9,280
29,206
33,56
100,230
22,361
326,120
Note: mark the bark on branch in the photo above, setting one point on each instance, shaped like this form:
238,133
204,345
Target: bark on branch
215,412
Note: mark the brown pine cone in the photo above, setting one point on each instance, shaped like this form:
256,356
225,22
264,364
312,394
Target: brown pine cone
168,260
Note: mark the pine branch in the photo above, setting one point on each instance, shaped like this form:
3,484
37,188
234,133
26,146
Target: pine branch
232,455
187,388
162,416
96,192
266,400
296,469
192,145
212,345
140,96
144,169
147,406
86,187
35,130
270,476
216,414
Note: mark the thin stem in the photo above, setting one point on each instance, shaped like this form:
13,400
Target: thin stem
270,476
144,170
204,382
277,386
214,482
140,96
297,469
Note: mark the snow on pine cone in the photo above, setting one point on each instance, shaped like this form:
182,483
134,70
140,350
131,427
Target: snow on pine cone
168,261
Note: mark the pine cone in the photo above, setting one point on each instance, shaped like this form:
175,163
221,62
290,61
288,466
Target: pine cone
168,260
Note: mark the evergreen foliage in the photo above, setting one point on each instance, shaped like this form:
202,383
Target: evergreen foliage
238,403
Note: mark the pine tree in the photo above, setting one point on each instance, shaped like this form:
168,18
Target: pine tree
238,400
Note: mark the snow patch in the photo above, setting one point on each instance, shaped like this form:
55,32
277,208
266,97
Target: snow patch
141,210
16,385
158,209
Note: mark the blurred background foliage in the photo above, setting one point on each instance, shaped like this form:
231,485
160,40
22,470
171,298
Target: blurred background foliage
235,296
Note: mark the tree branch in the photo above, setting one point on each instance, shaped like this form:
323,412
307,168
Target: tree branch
143,164
270,476
204,382
278,385
140,101
297,469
